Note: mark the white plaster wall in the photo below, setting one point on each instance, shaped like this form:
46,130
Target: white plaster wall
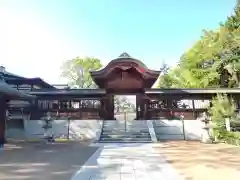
78,129
173,129
193,129
86,129
91,129
15,133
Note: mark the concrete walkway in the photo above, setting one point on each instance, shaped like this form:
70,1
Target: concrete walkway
126,162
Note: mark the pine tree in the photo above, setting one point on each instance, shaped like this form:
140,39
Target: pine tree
213,61
230,58
233,22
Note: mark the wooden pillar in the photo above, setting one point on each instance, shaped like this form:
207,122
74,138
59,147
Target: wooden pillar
169,104
3,107
109,104
194,110
35,114
102,112
145,108
137,107
140,107
146,103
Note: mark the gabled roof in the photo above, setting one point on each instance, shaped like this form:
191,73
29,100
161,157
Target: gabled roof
4,72
124,63
10,78
125,57
12,93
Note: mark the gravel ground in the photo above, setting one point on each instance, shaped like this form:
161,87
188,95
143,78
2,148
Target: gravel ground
198,161
35,161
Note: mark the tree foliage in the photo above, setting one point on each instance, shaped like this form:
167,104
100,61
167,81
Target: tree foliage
224,107
123,104
213,61
76,71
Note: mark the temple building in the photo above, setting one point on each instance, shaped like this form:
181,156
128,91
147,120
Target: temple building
26,101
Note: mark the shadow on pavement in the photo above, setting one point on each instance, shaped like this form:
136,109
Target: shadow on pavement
35,161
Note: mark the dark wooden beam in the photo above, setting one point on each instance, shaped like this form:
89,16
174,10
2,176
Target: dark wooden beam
3,107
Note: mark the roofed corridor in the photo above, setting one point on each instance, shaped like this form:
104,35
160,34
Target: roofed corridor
95,107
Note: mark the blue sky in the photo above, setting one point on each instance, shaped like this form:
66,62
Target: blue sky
38,35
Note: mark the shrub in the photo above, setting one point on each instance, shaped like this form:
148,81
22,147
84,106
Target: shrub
224,107
232,138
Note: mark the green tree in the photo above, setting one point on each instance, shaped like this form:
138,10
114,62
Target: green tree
230,57
222,108
214,60
77,71
123,104
165,80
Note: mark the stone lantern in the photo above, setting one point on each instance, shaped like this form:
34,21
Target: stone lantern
183,125
206,128
48,135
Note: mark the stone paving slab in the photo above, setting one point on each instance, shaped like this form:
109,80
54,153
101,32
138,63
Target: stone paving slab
126,162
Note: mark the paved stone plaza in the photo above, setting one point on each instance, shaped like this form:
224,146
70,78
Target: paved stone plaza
38,161
126,162
198,161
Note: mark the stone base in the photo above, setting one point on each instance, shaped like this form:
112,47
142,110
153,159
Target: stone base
205,136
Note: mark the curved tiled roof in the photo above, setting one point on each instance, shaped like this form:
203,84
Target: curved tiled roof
124,57
12,93
10,78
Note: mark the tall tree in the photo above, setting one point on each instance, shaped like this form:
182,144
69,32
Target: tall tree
230,58
165,80
214,61
76,71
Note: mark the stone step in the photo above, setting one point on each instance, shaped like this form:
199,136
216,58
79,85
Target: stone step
170,137
122,123
125,139
107,127
125,133
123,129
118,125
125,136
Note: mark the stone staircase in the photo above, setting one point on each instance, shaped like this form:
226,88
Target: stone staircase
125,131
